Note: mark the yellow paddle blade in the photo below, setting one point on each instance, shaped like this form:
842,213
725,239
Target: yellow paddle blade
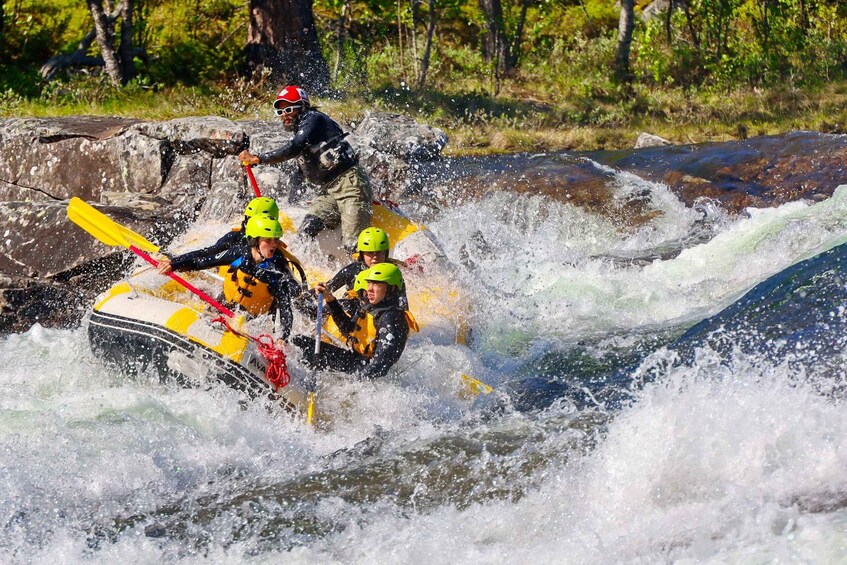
287,223
475,387
396,226
310,409
104,229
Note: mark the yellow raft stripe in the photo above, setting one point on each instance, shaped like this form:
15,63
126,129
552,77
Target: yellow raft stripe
120,288
231,346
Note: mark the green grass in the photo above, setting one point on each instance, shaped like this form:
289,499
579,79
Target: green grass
523,117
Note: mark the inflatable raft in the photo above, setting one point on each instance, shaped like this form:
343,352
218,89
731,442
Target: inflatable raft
142,324
148,323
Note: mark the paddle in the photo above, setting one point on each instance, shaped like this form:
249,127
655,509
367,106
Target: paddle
113,234
249,169
313,381
284,219
475,387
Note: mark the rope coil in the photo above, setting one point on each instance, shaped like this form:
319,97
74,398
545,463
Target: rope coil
277,369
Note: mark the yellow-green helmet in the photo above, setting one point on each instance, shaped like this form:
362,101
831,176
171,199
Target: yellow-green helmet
263,226
361,282
262,206
373,239
387,273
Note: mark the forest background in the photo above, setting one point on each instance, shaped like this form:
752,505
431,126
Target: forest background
497,75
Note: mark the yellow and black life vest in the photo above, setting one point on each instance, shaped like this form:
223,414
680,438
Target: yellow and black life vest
247,291
364,336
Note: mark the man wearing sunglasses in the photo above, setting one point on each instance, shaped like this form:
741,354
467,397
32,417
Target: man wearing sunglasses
327,160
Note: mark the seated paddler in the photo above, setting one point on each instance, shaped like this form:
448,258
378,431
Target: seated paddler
257,278
376,333
372,247
237,237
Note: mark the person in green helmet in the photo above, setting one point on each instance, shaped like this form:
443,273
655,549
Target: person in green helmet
259,278
372,247
376,337
261,206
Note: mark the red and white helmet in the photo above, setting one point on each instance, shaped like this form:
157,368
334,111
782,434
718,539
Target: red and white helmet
291,95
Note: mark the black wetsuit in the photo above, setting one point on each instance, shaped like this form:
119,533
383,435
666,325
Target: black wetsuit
233,238
313,129
347,277
274,272
392,333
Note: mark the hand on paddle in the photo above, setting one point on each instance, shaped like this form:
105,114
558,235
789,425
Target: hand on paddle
321,288
164,265
247,158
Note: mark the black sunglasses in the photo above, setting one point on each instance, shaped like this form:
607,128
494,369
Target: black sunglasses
286,110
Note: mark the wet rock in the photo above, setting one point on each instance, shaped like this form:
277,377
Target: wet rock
218,137
650,140
400,137
230,190
565,178
49,266
760,171
55,159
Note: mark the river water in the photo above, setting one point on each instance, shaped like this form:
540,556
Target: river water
609,437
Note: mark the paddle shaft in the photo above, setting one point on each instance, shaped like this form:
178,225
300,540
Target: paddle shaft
208,299
312,383
320,323
249,169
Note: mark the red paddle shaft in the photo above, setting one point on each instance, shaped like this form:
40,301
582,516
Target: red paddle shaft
249,169
211,301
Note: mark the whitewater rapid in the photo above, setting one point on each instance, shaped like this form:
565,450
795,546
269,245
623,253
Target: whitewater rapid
721,461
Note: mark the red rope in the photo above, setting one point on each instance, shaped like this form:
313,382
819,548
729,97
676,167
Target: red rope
277,370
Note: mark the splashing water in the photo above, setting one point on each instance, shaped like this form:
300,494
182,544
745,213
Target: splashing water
722,459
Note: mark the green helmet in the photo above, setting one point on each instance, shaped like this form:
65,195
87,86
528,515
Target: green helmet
262,206
373,239
263,226
361,282
387,273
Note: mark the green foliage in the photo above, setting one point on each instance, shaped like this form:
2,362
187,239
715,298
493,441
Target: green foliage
718,62
730,42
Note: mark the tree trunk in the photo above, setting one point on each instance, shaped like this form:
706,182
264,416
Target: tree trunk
400,39
430,33
668,16
339,45
625,26
495,46
125,52
695,37
517,39
104,40
282,37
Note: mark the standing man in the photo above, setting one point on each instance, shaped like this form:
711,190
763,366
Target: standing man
327,160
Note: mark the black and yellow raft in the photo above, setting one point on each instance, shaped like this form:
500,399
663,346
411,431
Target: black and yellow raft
149,324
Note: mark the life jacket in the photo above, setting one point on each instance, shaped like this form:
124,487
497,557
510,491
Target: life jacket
293,261
363,339
246,290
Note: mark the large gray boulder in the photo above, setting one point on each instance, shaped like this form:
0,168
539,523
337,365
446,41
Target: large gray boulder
50,269
154,177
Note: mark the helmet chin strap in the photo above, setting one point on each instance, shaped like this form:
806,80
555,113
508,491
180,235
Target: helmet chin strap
259,250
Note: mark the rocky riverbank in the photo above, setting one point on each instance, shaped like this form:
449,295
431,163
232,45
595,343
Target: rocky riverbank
159,177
